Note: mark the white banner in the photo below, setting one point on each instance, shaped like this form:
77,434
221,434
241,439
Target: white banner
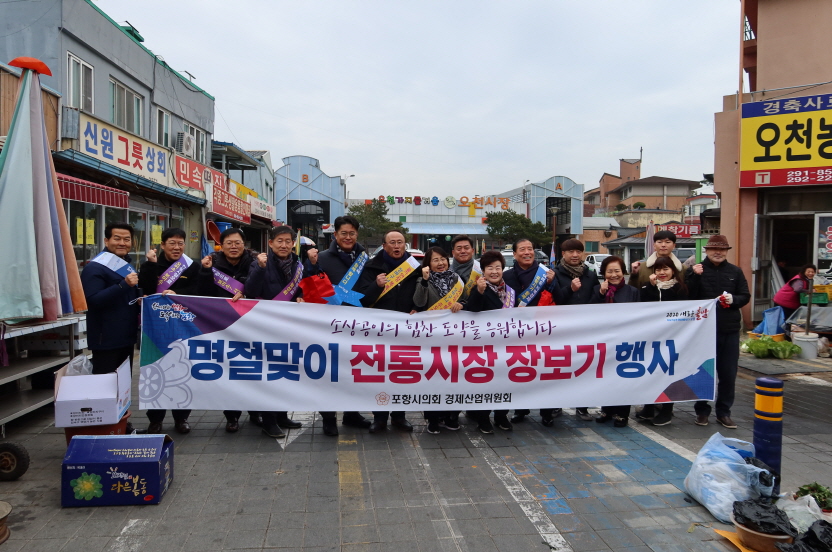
209,353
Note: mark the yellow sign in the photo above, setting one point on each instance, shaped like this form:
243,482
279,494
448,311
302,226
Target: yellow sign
242,192
84,233
156,233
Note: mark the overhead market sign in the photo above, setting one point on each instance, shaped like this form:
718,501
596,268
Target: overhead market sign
196,175
450,202
786,142
126,151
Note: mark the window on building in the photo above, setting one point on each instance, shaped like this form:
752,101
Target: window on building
125,108
79,84
627,192
591,246
163,128
199,139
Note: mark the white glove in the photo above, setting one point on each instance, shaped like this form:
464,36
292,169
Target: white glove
728,297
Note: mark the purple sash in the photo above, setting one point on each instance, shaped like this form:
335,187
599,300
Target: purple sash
173,273
226,282
508,302
288,293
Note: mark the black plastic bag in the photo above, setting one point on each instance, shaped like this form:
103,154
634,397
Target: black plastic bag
764,517
768,479
817,539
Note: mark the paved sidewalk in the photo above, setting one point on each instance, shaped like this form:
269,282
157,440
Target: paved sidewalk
578,486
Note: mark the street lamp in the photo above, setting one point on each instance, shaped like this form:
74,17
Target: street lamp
344,184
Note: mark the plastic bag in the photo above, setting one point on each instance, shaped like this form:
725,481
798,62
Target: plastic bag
773,322
79,366
817,539
719,476
802,512
768,478
764,517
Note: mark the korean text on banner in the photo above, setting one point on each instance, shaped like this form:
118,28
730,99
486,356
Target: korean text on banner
195,175
230,206
786,142
126,151
210,353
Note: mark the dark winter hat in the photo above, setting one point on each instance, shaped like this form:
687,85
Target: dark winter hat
664,235
571,245
717,242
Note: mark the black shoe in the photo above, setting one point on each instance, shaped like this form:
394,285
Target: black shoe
377,426
286,423
450,422
486,427
556,412
331,428
182,426
274,431
603,418
154,428
646,413
547,421
129,429
518,418
433,428
583,413
356,420
401,424
503,423
662,418
232,425
256,420
619,421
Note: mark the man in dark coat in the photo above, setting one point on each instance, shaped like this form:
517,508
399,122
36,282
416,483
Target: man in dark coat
397,296
335,262
519,277
186,283
232,260
112,308
268,277
715,277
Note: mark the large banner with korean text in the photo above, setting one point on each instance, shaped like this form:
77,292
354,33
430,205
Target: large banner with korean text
209,353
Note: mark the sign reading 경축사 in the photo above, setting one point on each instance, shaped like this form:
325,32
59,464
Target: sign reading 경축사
210,353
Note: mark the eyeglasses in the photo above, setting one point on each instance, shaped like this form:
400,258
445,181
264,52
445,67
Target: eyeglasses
232,243
348,234
395,243
175,244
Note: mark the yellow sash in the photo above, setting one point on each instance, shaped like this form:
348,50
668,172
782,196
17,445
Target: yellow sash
476,272
398,275
450,298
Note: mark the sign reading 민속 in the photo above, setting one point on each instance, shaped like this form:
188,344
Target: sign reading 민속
196,175
786,142
210,353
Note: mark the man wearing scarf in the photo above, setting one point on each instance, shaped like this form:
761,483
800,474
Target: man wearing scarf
267,277
173,250
519,277
335,262
462,251
399,298
233,260
664,242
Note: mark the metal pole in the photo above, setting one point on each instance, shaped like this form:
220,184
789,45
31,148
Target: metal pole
809,306
768,423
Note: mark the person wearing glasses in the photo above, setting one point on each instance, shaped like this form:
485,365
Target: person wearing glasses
343,253
169,272
233,261
394,293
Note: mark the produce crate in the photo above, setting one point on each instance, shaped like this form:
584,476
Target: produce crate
824,288
817,298
776,337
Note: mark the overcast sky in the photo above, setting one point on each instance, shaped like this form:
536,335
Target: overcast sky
457,97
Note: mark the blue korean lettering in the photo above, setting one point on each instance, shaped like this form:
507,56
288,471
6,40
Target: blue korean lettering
161,167
107,143
206,371
91,135
659,361
245,349
634,353
150,155
204,349
245,370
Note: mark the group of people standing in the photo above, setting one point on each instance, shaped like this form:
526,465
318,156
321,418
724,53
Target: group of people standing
394,280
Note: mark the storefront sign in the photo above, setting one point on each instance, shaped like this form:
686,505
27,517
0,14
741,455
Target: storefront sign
681,230
823,250
261,208
240,191
786,142
199,352
227,205
195,175
123,150
449,202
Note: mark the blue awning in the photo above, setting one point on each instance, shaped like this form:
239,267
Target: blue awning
85,160
445,228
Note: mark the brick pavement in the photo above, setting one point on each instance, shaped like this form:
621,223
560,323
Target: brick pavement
577,486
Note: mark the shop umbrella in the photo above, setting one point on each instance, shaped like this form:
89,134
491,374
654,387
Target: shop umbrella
39,274
649,248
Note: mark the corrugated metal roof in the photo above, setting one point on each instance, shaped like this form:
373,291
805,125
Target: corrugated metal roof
445,228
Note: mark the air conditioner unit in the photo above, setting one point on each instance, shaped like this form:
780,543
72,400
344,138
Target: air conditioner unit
185,144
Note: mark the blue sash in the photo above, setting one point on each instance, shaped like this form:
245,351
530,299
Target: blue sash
114,263
534,288
343,290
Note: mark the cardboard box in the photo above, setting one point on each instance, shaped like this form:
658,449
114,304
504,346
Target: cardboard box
116,470
91,400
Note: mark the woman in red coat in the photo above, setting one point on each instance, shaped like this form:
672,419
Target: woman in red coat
788,296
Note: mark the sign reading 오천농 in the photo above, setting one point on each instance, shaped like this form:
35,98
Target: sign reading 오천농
207,353
786,142
261,208
121,149
196,175
449,202
227,205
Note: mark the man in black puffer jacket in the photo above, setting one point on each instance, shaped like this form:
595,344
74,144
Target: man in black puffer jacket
715,277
